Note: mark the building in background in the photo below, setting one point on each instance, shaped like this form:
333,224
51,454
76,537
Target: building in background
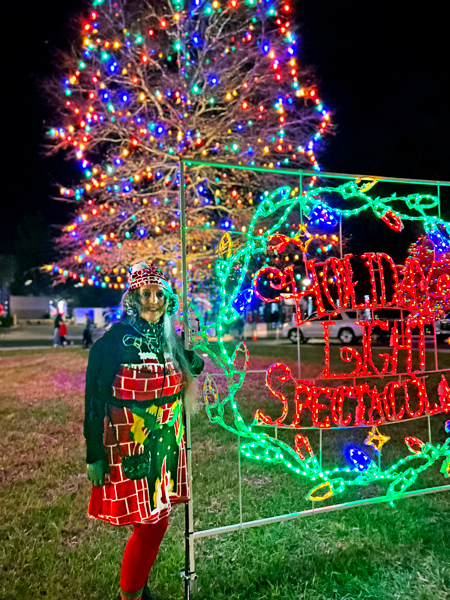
29,307
7,267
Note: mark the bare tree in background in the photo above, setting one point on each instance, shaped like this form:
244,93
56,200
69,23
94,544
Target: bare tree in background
152,81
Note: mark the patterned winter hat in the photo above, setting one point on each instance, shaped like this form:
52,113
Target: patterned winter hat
143,274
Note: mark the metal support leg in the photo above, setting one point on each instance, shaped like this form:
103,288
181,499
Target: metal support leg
190,587
190,576
240,479
320,455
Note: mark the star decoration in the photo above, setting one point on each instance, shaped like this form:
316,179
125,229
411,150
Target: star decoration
278,241
445,469
376,439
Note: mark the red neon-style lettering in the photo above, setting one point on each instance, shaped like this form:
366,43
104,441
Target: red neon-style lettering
422,394
317,406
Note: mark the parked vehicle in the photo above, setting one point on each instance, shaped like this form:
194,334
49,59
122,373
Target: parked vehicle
395,316
346,330
443,328
392,316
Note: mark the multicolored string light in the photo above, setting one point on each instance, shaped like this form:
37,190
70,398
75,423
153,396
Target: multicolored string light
190,79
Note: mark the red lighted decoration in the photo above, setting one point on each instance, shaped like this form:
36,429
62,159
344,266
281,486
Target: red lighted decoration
392,220
330,298
302,444
353,405
368,389
360,403
414,444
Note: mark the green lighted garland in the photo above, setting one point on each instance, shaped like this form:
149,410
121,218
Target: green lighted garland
231,270
417,203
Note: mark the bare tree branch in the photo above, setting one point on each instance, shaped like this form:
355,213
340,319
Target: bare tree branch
152,82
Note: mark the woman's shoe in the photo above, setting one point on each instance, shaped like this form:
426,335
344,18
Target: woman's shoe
122,596
146,595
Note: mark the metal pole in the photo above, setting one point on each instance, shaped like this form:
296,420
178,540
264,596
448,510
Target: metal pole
190,587
299,365
340,235
439,198
301,197
436,365
240,479
434,324
183,254
320,455
190,577
316,511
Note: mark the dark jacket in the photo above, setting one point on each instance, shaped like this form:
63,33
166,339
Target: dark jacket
105,358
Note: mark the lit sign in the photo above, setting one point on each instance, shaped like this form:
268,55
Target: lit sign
364,283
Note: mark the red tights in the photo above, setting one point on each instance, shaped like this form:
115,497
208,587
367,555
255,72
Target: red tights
140,554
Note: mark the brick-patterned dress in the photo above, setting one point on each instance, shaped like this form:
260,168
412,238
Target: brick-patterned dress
133,387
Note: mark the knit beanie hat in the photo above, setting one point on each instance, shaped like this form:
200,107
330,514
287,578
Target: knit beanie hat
143,274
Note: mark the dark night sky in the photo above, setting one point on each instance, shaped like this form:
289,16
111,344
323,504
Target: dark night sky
382,69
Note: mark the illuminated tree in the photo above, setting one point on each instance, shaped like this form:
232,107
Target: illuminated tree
426,279
155,80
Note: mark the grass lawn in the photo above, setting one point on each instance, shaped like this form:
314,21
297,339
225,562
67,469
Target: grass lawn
50,549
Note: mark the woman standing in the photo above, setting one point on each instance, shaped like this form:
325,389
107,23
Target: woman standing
137,377
87,332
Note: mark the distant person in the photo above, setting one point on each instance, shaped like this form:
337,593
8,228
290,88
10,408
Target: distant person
56,335
62,332
240,328
87,332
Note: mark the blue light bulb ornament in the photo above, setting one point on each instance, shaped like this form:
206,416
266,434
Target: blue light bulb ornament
358,458
321,215
440,239
242,300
